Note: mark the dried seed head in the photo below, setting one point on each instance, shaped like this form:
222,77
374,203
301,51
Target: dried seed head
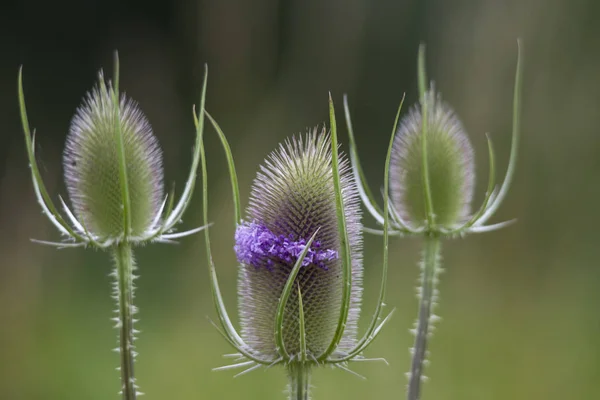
450,165
91,162
293,196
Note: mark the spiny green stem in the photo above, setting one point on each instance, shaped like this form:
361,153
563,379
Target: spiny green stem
124,267
429,272
299,377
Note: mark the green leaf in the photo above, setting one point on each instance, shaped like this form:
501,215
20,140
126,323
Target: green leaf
361,183
186,196
121,149
429,212
38,184
285,295
229,330
373,328
516,134
488,194
232,174
344,242
303,354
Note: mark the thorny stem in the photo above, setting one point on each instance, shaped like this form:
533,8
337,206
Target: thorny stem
124,267
428,294
299,377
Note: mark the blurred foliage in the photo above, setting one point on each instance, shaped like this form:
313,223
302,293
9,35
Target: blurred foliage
518,306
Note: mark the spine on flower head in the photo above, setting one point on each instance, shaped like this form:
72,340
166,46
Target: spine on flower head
91,163
292,197
450,165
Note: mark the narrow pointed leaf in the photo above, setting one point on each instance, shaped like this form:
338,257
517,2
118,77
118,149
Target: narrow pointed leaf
344,368
38,184
285,295
178,235
160,212
234,366
363,188
490,189
184,201
244,351
257,366
229,330
60,245
366,339
70,215
489,228
126,198
379,232
516,133
429,211
344,240
302,328
232,174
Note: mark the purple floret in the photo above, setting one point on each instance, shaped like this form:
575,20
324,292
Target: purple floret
256,245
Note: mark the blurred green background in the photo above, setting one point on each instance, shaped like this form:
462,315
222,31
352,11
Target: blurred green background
519,306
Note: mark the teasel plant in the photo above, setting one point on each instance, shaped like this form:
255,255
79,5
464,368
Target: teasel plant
114,178
430,179
300,262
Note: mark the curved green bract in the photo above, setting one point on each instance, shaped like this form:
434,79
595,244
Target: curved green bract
237,216
344,241
285,295
302,326
175,216
40,188
121,149
375,326
359,176
516,134
229,331
429,212
488,194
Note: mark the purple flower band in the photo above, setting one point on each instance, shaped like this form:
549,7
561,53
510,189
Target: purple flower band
256,245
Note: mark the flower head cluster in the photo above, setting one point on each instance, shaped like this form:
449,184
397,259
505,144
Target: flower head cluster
300,255
114,177
113,173
430,170
451,167
293,199
91,161
428,188
256,245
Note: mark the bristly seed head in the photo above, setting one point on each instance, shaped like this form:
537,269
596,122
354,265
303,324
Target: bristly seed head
292,197
91,162
450,165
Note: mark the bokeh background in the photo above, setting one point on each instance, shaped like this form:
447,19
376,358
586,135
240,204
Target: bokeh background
519,306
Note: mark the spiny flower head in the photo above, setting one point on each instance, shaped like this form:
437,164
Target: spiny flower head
292,199
450,165
91,163
430,169
113,173
300,272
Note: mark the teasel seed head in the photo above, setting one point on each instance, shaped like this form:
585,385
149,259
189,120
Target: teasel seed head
450,166
293,197
91,163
